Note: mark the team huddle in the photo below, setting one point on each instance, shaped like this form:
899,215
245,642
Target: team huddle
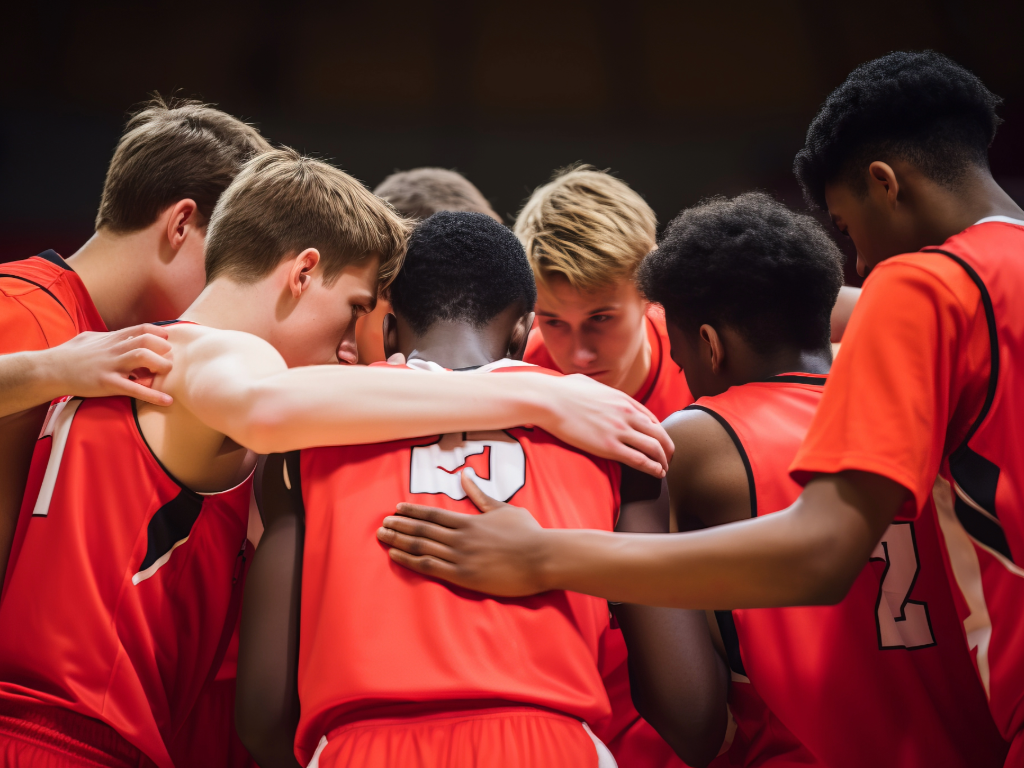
297,474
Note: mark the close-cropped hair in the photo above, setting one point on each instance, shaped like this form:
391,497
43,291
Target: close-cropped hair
462,267
422,192
749,263
282,203
171,150
586,226
921,107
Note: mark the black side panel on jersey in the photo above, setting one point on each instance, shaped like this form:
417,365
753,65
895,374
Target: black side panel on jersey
54,258
172,523
731,640
739,447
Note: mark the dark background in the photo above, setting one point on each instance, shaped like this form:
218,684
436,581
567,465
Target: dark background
680,99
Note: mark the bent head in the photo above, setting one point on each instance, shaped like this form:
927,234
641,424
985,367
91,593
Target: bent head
585,232
465,294
171,165
318,245
744,282
898,134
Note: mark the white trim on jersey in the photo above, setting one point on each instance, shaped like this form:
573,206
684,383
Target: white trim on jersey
57,425
315,761
429,365
1001,219
605,758
160,562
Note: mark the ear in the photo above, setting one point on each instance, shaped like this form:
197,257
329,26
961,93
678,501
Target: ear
520,335
181,217
882,179
299,277
712,345
390,335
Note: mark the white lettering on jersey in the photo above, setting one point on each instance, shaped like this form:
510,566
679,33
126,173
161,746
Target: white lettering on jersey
902,622
493,460
57,426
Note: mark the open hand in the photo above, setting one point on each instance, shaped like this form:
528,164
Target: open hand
497,552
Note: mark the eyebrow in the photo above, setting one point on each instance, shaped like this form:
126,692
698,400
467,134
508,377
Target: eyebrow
598,311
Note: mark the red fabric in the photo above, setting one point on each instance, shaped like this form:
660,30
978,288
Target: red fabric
30,318
412,639
91,637
499,738
883,678
910,383
632,740
208,738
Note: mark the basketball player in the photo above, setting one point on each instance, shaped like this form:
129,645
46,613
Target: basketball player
917,421
145,509
144,263
417,194
853,684
441,677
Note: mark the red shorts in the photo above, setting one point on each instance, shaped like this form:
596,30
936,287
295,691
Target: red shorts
507,737
40,736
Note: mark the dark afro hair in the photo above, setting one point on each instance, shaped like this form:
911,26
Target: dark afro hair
918,106
749,263
462,267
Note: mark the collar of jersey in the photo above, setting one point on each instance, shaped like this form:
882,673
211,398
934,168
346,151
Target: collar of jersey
428,365
1002,219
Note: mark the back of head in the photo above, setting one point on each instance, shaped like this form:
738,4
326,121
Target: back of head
586,226
749,263
282,203
422,192
919,106
461,267
173,150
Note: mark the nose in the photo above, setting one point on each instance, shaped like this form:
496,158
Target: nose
348,350
582,355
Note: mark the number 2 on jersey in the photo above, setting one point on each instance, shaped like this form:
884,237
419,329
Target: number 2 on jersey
902,622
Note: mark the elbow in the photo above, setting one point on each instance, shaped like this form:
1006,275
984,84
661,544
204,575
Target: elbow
268,741
696,736
261,426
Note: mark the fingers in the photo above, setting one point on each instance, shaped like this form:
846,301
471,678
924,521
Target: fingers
418,528
149,341
652,439
633,458
140,392
397,359
144,358
414,545
433,515
425,565
483,502
139,330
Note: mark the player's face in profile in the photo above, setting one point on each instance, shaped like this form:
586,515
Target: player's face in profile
321,328
598,333
686,353
868,221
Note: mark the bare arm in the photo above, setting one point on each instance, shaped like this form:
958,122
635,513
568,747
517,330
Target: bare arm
89,365
238,385
267,700
808,554
846,301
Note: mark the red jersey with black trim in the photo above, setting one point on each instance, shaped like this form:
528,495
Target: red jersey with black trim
375,635
883,678
43,303
124,585
631,739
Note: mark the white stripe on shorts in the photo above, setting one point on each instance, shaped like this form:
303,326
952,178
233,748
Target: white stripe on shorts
605,759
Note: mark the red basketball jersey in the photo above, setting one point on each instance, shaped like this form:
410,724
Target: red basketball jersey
632,740
124,585
375,636
43,303
883,678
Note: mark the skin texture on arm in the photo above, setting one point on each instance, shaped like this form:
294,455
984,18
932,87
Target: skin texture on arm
808,554
267,696
678,681
845,303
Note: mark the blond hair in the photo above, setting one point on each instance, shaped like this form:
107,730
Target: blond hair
282,203
422,192
587,226
172,150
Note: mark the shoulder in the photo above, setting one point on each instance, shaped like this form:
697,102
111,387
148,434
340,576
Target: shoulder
934,275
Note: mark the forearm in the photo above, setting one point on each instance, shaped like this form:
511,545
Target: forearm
330,405
841,311
26,380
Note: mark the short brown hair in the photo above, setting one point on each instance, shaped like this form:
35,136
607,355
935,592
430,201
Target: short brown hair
172,150
282,203
422,192
587,226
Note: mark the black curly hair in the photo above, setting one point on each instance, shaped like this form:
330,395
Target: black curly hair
749,263
920,106
462,267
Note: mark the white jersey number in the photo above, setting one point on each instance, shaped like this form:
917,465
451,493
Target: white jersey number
902,622
493,460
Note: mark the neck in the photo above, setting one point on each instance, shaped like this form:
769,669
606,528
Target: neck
232,306
457,345
109,267
790,361
945,213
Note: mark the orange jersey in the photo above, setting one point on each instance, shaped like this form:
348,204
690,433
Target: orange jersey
925,393
124,585
884,677
377,640
43,303
664,392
